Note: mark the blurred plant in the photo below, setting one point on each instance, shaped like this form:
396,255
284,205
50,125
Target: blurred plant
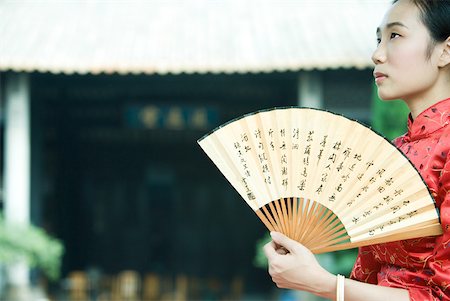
260,259
389,118
32,244
342,261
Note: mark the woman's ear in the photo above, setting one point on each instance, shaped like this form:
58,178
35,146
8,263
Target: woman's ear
444,59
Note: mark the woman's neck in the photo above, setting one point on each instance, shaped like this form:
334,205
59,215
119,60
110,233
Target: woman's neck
419,103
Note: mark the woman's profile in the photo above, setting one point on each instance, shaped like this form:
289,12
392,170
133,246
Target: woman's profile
412,63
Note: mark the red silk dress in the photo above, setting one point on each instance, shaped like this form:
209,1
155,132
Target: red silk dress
422,266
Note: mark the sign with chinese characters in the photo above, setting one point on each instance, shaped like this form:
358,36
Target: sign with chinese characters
171,117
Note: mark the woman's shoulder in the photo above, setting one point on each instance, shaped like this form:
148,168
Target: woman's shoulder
399,140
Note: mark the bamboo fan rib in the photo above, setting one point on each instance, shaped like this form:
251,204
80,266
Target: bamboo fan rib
322,179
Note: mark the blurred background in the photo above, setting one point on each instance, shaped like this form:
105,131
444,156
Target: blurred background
104,192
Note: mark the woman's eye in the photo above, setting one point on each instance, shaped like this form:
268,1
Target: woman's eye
394,35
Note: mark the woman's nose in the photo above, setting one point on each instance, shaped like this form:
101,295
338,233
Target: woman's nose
379,55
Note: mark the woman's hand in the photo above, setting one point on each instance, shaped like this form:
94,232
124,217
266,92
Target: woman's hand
293,266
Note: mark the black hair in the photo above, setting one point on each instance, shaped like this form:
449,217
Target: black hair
435,15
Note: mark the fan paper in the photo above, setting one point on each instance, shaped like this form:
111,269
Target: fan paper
322,179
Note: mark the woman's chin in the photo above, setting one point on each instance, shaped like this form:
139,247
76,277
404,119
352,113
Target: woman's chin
387,97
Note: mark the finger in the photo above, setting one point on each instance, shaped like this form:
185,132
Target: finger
283,241
270,250
282,250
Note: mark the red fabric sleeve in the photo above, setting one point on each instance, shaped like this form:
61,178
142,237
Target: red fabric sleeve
366,267
437,268
422,295
435,275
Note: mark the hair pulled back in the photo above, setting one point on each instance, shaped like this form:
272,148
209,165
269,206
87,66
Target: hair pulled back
435,15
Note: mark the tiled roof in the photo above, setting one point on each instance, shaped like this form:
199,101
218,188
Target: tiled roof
187,36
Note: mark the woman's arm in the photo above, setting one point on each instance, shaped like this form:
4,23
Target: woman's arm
298,269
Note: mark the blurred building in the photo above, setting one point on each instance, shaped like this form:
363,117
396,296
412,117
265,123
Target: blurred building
102,103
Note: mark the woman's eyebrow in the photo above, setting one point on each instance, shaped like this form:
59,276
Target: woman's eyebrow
392,24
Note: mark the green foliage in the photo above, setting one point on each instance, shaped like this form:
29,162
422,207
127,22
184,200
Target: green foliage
339,262
31,244
260,259
389,118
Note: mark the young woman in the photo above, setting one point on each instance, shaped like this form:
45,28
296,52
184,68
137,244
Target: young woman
412,63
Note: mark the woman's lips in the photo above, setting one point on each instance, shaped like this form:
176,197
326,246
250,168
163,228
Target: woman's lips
379,77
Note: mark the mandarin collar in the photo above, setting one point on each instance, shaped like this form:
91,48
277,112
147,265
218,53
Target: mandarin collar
429,121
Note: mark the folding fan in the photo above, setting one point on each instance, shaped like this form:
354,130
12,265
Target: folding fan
322,179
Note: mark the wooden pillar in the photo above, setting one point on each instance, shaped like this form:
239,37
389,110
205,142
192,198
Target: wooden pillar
17,162
310,89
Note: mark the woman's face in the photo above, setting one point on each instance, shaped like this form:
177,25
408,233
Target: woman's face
402,68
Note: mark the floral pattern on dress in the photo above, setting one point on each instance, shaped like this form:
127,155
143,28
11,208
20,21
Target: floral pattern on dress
422,265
